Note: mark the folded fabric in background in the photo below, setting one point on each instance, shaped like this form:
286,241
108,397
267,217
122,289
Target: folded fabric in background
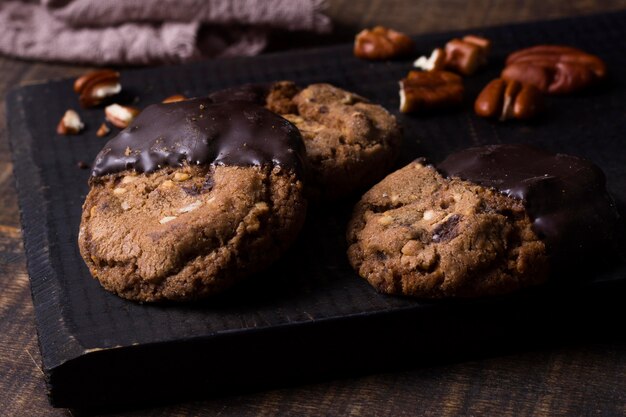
122,32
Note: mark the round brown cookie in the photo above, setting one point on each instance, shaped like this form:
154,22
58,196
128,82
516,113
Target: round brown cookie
350,142
417,233
192,197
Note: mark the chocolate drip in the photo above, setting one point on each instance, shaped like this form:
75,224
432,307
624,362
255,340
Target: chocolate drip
564,195
199,131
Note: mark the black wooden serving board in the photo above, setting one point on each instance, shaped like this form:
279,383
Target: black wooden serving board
310,315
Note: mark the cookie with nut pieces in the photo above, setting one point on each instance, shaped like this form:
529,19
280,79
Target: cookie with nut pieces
488,220
192,197
350,142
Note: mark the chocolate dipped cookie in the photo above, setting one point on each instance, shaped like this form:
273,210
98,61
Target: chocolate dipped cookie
192,197
487,221
350,142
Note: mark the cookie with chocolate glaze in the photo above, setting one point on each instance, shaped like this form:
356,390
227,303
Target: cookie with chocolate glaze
192,197
488,221
350,142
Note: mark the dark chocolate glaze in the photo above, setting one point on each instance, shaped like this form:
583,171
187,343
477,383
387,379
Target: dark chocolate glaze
199,131
565,196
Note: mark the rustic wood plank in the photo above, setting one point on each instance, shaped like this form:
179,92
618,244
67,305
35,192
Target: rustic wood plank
582,379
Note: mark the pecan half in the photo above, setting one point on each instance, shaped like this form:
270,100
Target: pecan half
70,123
508,100
120,116
554,69
430,91
382,43
95,86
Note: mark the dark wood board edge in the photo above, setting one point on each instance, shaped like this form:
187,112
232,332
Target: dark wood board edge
32,208
293,354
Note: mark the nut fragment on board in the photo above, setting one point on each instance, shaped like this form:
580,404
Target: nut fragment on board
464,56
435,62
95,86
382,43
467,55
555,69
70,123
508,100
103,130
432,90
120,116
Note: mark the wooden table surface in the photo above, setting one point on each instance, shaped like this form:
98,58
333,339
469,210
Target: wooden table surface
585,377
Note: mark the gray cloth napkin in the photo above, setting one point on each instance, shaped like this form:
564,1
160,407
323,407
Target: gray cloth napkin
104,32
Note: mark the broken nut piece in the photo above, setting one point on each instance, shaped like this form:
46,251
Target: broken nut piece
181,176
430,90
103,130
508,100
382,43
174,98
70,123
467,55
483,43
554,69
120,116
464,56
96,86
436,61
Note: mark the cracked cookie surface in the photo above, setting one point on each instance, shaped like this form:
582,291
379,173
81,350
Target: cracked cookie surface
186,233
350,142
419,234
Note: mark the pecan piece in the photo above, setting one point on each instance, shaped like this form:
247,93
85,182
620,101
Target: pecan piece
430,90
70,123
435,62
382,43
508,100
103,130
96,86
554,69
120,116
467,55
464,56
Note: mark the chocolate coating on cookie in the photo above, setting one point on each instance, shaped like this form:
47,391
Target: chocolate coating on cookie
565,195
201,132
350,142
420,234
